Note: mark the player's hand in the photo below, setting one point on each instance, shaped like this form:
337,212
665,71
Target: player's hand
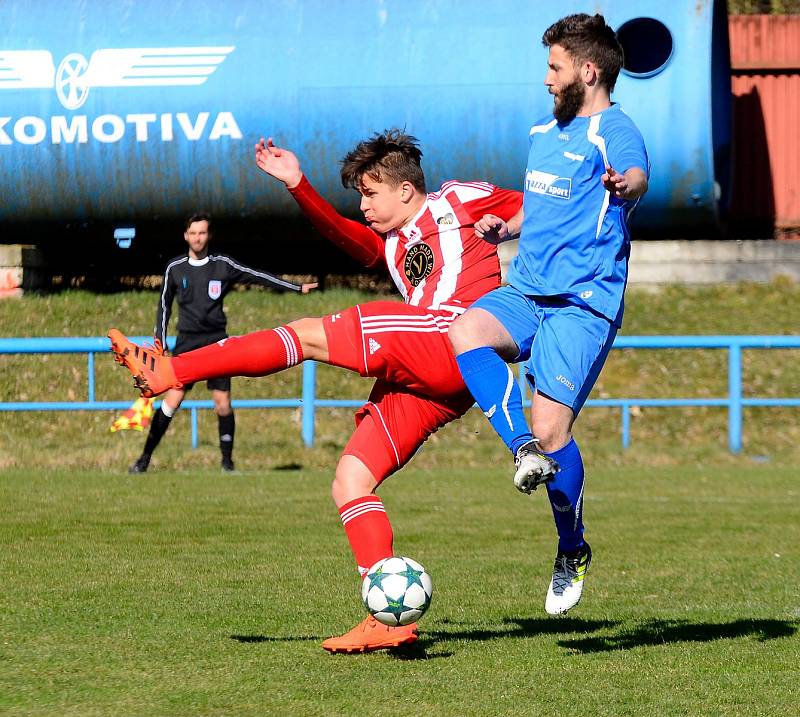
310,286
615,183
279,163
492,229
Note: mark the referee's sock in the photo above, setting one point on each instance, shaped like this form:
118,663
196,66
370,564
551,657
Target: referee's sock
495,389
257,354
158,427
227,430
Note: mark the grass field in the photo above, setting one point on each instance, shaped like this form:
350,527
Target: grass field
201,595
185,592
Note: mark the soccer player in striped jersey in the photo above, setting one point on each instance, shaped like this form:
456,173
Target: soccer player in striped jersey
428,243
199,281
587,168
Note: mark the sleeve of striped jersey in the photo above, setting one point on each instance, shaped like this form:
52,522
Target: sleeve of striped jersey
164,308
504,203
625,147
358,240
241,274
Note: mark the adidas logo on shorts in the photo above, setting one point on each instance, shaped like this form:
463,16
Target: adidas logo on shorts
373,346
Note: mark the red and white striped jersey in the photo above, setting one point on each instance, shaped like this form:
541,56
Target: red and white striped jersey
435,260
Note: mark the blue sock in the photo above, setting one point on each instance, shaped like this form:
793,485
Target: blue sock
566,497
495,389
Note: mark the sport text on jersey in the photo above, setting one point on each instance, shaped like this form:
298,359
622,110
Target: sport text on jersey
131,67
549,184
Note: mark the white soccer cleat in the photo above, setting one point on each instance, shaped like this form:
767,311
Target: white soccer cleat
533,467
566,584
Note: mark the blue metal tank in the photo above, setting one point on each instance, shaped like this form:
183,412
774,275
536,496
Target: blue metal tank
141,110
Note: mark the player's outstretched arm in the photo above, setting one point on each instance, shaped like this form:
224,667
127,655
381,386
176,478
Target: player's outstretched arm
359,241
278,162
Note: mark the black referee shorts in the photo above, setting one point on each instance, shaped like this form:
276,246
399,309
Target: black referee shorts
190,342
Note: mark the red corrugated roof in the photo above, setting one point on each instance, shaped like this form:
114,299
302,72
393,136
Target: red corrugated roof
765,58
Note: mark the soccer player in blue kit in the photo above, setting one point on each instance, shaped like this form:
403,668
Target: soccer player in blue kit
587,168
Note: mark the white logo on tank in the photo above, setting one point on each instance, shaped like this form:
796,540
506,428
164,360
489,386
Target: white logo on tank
109,67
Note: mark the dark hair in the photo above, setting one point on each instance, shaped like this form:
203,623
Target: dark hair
588,38
392,157
198,217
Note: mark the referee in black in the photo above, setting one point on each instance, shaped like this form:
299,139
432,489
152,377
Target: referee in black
200,281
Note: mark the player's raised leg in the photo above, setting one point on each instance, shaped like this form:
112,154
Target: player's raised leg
256,354
483,342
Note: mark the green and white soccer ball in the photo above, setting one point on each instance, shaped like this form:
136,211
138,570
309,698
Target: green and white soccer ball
397,591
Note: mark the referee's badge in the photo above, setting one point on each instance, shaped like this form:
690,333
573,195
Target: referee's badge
214,289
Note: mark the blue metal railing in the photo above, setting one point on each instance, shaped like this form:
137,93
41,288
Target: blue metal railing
735,402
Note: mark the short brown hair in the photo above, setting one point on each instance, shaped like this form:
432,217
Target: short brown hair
391,156
198,217
588,38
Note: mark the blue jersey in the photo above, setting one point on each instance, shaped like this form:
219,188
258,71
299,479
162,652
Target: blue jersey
574,241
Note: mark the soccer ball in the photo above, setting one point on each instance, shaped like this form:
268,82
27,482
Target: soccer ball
396,591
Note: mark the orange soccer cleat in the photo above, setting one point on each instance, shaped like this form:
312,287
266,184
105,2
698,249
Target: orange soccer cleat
152,371
371,635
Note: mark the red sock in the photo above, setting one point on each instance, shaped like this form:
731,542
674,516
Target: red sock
368,530
257,354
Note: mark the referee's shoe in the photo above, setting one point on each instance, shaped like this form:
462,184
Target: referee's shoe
152,371
141,465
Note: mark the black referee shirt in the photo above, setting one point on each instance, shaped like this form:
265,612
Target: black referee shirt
200,285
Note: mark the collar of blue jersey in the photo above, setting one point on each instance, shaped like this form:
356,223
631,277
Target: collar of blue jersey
198,262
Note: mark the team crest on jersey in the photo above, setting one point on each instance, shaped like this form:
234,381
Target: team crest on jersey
214,289
446,220
418,264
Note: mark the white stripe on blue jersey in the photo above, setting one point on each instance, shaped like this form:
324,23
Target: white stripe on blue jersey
574,241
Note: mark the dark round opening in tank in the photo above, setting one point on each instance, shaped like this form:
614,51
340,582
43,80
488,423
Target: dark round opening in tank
647,44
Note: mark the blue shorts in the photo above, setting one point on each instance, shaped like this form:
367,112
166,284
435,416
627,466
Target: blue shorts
565,344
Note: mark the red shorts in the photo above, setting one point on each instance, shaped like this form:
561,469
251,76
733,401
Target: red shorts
419,387
398,343
394,423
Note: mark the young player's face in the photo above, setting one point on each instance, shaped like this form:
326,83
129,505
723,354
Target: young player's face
197,236
385,207
565,84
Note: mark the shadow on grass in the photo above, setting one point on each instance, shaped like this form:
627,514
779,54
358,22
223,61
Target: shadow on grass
415,651
667,632
651,633
270,638
522,627
511,627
